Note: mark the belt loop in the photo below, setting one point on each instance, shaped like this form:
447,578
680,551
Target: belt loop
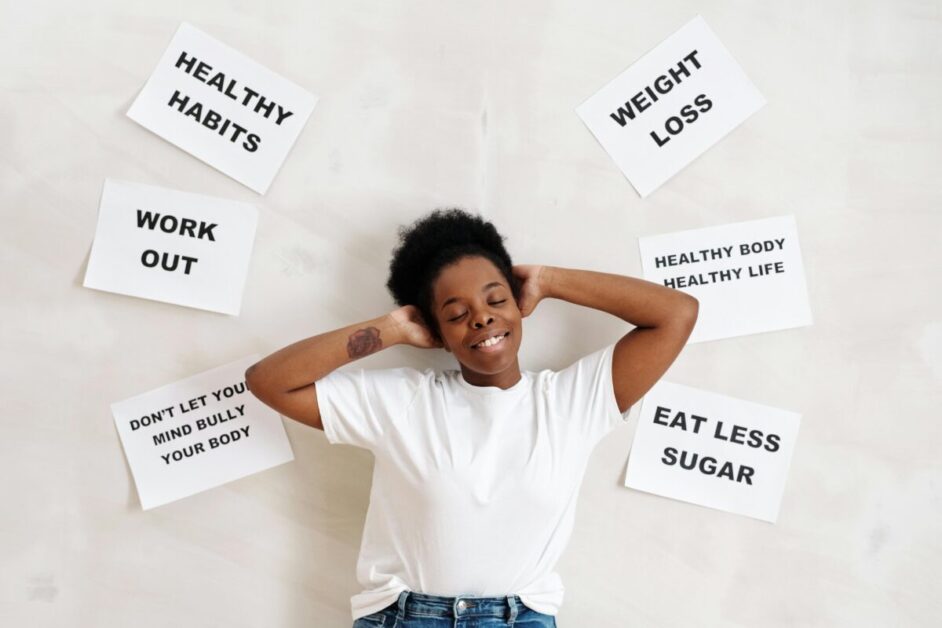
512,602
401,616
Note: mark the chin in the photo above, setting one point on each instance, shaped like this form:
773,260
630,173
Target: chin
483,364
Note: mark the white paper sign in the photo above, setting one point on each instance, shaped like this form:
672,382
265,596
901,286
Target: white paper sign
712,450
670,106
222,107
198,433
748,276
172,246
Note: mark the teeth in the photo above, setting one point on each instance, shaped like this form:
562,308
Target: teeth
490,342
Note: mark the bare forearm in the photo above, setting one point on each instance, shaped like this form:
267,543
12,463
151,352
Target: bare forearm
308,360
637,301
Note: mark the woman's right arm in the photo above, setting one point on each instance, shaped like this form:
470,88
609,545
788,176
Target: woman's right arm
285,380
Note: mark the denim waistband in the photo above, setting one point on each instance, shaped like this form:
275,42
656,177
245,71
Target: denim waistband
416,604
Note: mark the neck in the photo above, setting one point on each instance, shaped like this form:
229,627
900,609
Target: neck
505,379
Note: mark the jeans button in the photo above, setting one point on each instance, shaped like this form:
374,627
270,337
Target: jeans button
462,605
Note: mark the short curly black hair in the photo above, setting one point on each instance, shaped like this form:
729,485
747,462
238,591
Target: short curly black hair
435,241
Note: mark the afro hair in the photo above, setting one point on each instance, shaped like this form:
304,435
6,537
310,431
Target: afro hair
435,241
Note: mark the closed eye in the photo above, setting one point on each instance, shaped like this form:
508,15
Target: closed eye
460,316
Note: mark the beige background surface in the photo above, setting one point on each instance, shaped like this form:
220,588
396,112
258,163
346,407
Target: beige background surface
427,104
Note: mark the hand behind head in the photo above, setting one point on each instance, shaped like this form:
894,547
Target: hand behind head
413,328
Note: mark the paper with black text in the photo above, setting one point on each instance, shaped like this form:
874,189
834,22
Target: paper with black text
748,276
670,106
712,450
172,246
198,433
223,107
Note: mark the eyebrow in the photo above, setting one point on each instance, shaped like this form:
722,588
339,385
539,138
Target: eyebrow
493,284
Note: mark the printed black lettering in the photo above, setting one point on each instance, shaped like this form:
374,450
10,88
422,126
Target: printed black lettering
195,112
211,121
283,115
670,456
263,104
692,58
640,102
186,61
736,436
150,258
623,112
251,142
206,230
661,413
689,113
674,125
657,139
704,103
168,224
146,219
663,84
177,101
202,71
745,473
187,226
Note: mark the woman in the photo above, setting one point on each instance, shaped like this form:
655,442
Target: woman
476,470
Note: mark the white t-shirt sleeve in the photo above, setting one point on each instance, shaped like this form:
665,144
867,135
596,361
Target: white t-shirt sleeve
585,392
357,406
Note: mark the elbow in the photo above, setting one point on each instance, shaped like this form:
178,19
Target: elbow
689,312
251,379
258,382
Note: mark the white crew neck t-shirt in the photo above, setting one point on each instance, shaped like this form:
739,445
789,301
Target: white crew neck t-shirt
474,487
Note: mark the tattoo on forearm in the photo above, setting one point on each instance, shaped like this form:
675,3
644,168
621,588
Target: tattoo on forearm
364,342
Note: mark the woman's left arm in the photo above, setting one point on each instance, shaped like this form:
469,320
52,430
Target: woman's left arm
663,319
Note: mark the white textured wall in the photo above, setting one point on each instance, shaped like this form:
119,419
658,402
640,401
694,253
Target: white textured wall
425,104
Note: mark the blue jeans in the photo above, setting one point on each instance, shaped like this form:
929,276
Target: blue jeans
420,610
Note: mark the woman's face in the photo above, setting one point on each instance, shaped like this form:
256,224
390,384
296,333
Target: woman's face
473,302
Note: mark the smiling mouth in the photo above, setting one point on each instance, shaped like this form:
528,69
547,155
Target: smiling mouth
491,344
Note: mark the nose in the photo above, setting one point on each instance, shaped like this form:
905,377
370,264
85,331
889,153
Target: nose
483,319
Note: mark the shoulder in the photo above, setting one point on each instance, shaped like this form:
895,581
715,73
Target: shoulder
378,381
581,376
588,361
389,374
